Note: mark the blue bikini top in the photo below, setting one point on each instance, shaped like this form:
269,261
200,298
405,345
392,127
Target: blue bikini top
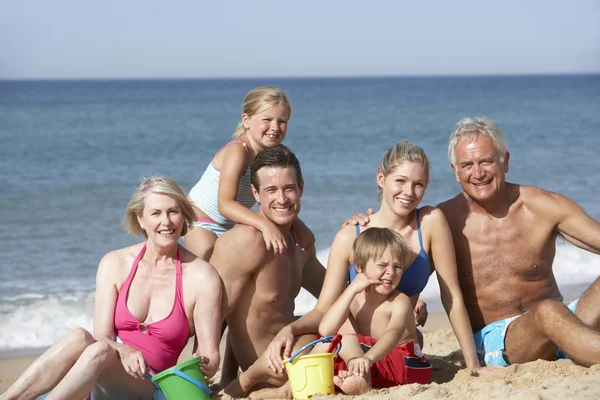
415,277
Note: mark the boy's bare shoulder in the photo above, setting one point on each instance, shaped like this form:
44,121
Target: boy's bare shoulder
397,299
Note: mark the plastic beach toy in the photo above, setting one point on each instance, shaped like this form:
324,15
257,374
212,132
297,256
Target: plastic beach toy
313,373
183,381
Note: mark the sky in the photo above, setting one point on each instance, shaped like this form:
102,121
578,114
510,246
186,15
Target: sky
60,39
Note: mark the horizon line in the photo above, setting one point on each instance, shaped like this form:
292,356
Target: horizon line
301,77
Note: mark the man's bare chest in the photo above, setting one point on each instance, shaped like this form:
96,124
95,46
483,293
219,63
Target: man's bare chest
489,250
279,280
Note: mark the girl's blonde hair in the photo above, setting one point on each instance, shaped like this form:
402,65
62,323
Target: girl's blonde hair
401,152
258,100
159,184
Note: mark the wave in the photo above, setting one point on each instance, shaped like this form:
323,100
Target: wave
43,321
34,320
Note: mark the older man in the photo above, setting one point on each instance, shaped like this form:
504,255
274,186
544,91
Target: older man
505,240
259,286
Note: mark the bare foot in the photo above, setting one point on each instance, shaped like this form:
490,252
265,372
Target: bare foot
282,392
351,384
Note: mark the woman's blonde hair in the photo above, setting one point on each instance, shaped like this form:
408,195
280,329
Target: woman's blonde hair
401,152
158,184
373,242
258,100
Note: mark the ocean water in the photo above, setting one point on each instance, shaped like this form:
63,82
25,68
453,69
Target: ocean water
72,152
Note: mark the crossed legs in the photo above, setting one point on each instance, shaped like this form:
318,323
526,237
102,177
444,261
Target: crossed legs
551,325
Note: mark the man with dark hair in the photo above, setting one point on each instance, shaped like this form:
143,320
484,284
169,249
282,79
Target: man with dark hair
259,287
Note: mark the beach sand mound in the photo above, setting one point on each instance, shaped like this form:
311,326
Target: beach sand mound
532,381
539,380
536,380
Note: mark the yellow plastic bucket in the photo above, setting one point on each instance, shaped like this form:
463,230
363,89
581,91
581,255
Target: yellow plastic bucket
313,373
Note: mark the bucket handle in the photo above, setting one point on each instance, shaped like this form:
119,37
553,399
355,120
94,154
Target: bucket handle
192,380
337,339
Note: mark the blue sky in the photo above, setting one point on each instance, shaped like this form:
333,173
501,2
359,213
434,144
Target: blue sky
151,38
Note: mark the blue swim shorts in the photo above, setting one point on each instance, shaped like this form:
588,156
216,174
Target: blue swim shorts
489,342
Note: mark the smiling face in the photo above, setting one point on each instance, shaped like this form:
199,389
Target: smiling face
162,219
480,169
386,269
404,187
278,194
268,128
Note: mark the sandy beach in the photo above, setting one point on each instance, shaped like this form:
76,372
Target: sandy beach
536,380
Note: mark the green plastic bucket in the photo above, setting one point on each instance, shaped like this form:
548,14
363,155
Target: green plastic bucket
183,381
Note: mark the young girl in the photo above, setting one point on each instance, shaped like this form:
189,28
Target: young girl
223,196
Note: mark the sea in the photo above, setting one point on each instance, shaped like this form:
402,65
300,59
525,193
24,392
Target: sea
72,152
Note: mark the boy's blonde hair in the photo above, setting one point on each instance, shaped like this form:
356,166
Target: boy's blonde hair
258,100
373,242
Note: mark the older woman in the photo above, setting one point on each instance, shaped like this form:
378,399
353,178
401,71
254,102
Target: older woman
150,299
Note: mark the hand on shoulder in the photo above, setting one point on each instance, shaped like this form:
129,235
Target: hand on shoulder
358,219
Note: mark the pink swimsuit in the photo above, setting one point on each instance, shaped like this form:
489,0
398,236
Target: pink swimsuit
160,342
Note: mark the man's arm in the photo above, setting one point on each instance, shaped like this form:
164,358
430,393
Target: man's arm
333,285
237,255
573,223
313,274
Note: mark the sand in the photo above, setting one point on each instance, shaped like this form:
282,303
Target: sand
536,380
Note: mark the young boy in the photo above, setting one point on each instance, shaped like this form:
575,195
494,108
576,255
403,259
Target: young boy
375,320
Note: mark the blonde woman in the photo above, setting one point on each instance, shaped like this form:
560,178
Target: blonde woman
150,299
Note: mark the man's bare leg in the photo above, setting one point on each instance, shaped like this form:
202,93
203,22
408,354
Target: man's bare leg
282,392
48,370
537,334
260,372
588,311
